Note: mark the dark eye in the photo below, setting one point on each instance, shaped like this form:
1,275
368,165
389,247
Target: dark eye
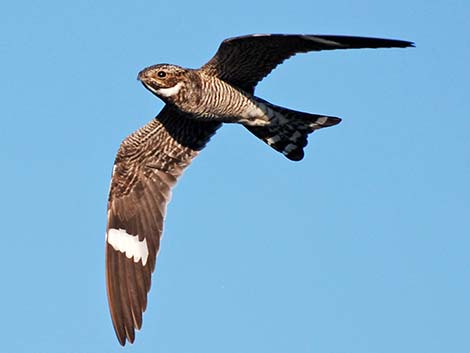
161,73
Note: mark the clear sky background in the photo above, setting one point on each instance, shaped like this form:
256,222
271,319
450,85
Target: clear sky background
363,247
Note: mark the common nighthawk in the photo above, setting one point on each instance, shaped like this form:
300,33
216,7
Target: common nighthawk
151,159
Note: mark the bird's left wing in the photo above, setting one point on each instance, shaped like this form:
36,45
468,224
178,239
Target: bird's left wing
246,60
147,166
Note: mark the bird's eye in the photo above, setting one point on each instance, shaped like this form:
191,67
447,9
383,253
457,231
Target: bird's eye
161,73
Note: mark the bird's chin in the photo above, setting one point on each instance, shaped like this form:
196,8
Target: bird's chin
164,92
151,88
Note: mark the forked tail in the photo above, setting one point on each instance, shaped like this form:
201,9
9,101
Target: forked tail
289,130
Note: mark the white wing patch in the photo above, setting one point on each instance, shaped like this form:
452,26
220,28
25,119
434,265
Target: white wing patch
121,241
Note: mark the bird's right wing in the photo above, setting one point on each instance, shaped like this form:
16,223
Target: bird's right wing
246,60
147,166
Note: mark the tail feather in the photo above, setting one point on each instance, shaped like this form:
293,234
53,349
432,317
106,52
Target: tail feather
289,130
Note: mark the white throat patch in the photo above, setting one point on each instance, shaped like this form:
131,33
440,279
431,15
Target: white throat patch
171,91
121,241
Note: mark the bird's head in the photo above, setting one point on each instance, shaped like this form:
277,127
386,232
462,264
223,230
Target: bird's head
163,80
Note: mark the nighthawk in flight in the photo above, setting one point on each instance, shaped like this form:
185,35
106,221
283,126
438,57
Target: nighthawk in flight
198,101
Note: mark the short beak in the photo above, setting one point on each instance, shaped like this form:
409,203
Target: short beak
144,75
143,78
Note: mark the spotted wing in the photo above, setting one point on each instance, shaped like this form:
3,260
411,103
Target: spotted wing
147,165
244,61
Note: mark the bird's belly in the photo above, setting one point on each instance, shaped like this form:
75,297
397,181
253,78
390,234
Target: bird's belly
252,115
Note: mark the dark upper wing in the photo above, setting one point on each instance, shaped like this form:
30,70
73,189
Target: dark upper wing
147,165
244,61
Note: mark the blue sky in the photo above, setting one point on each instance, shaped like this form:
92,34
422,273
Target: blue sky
361,247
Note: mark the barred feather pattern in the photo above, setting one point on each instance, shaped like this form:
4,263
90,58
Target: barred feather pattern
147,166
289,129
219,101
150,160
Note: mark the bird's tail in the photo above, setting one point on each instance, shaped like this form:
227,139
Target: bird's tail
289,130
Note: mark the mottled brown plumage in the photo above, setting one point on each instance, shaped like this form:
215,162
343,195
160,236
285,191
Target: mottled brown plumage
147,165
150,160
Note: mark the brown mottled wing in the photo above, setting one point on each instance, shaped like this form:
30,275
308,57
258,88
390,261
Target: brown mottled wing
244,61
147,165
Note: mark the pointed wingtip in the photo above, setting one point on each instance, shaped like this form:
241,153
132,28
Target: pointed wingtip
407,44
122,341
404,44
126,338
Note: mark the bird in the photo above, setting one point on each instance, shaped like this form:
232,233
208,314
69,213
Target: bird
197,103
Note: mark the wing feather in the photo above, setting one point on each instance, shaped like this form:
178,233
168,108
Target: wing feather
147,166
246,60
